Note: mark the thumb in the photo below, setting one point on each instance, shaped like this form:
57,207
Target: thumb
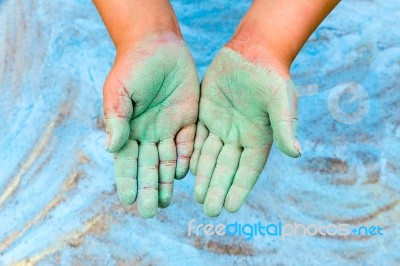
118,111
283,117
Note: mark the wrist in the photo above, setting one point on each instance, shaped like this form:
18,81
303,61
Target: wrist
159,26
251,40
129,21
274,30
262,37
251,44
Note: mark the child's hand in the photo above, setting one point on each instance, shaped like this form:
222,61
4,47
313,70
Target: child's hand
248,100
151,104
243,107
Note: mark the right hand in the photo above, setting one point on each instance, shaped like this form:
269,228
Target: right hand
151,105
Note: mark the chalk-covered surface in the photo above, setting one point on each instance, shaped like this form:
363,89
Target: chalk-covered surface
58,203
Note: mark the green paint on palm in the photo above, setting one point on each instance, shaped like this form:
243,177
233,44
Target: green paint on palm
151,97
243,108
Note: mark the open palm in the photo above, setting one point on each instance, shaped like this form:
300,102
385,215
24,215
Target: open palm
151,104
243,108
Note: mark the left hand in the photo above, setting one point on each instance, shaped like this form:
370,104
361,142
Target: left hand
244,106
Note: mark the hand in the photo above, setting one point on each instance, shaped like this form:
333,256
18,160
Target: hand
244,106
248,100
151,105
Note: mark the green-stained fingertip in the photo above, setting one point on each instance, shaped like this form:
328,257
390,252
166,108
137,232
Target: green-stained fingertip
213,204
297,146
164,199
232,204
147,212
290,148
235,198
127,199
181,172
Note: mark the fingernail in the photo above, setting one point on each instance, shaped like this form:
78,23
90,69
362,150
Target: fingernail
108,142
296,146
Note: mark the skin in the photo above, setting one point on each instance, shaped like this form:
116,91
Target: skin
151,100
242,104
248,101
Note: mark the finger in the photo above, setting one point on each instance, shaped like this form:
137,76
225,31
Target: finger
184,146
117,114
167,154
221,180
251,164
125,161
201,135
208,158
148,180
283,117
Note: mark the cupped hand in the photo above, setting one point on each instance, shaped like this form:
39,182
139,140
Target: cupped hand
244,107
151,105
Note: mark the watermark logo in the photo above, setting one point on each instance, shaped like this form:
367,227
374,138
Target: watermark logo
280,229
349,93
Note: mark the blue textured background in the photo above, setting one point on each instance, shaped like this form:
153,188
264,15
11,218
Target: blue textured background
58,203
